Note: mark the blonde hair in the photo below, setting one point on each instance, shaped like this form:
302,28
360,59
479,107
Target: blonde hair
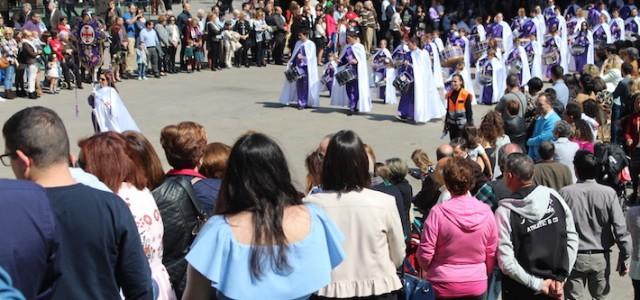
592,70
421,160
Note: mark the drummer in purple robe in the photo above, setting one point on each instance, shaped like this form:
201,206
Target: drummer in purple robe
354,94
602,33
549,11
617,26
383,73
552,55
491,79
306,89
419,101
632,25
581,49
502,33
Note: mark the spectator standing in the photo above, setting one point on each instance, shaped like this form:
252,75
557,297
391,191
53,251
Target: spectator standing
243,28
544,125
110,157
130,18
261,33
163,46
214,42
174,42
549,172
105,267
374,243
28,234
463,220
149,37
368,23
460,149
285,249
184,146
623,104
279,29
535,256
513,93
182,22
600,223
565,149
514,124
9,50
562,91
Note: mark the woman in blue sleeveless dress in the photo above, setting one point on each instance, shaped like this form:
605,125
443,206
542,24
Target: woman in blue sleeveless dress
262,242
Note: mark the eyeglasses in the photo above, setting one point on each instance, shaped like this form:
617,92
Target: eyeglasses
6,159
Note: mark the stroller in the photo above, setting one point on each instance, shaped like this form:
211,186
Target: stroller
613,170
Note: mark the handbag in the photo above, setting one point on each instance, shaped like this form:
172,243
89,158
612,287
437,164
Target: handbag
201,218
414,287
4,63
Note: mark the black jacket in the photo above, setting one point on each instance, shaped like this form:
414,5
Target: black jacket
514,127
178,207
27,54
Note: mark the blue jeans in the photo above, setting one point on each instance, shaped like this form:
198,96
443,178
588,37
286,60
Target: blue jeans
495,285
141,69
9,74
616,130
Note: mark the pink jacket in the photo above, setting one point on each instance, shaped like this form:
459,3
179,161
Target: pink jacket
331,25
458,247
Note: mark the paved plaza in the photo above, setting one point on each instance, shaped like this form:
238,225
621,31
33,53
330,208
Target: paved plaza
231,102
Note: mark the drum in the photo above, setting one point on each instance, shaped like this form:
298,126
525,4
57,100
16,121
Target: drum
326,78
551,58
403,82
346,75
577,50
515,66
485,79
452,55
480,48
293,74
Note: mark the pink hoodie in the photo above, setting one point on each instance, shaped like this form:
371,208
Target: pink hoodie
458,247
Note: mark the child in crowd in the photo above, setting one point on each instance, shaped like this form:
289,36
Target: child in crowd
329,73
423,164
475,150
190,56
53,73
63,26
141,60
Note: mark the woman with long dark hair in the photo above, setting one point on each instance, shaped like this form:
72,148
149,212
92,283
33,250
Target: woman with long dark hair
262,243
374,242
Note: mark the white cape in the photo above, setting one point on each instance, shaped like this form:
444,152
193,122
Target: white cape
590,54
620,24
339,93
427,104
607,32
524,60
496,78
289,89
437,67
110,112
389,89
536,67
507,37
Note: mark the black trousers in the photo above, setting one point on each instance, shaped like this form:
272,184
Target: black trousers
163,61
636,289
171,58
19,81
183,47
215,54
260,51
278,48
242,54
71,71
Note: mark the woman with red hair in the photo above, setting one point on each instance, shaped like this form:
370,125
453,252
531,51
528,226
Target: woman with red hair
109,157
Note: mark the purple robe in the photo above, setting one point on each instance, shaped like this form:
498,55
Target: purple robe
486,97
407,100
616,31
302,84
581,60
329,74
378,59
550,45
352,87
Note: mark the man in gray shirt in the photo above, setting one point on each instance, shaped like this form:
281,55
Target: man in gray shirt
513,93
562,91
600,223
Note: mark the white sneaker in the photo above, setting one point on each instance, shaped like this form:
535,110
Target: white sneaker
139,78
145,78
2,99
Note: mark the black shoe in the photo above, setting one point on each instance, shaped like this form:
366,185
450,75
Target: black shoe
33,96
21,94
350,113
300,107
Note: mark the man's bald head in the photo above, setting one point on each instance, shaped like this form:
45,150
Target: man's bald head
445,150
505,151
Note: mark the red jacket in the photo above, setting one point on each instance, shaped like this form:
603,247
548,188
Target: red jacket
632,130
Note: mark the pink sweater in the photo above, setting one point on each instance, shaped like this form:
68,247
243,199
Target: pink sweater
331,25
458,247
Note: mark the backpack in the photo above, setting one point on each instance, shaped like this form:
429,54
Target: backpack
182,219
611,161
